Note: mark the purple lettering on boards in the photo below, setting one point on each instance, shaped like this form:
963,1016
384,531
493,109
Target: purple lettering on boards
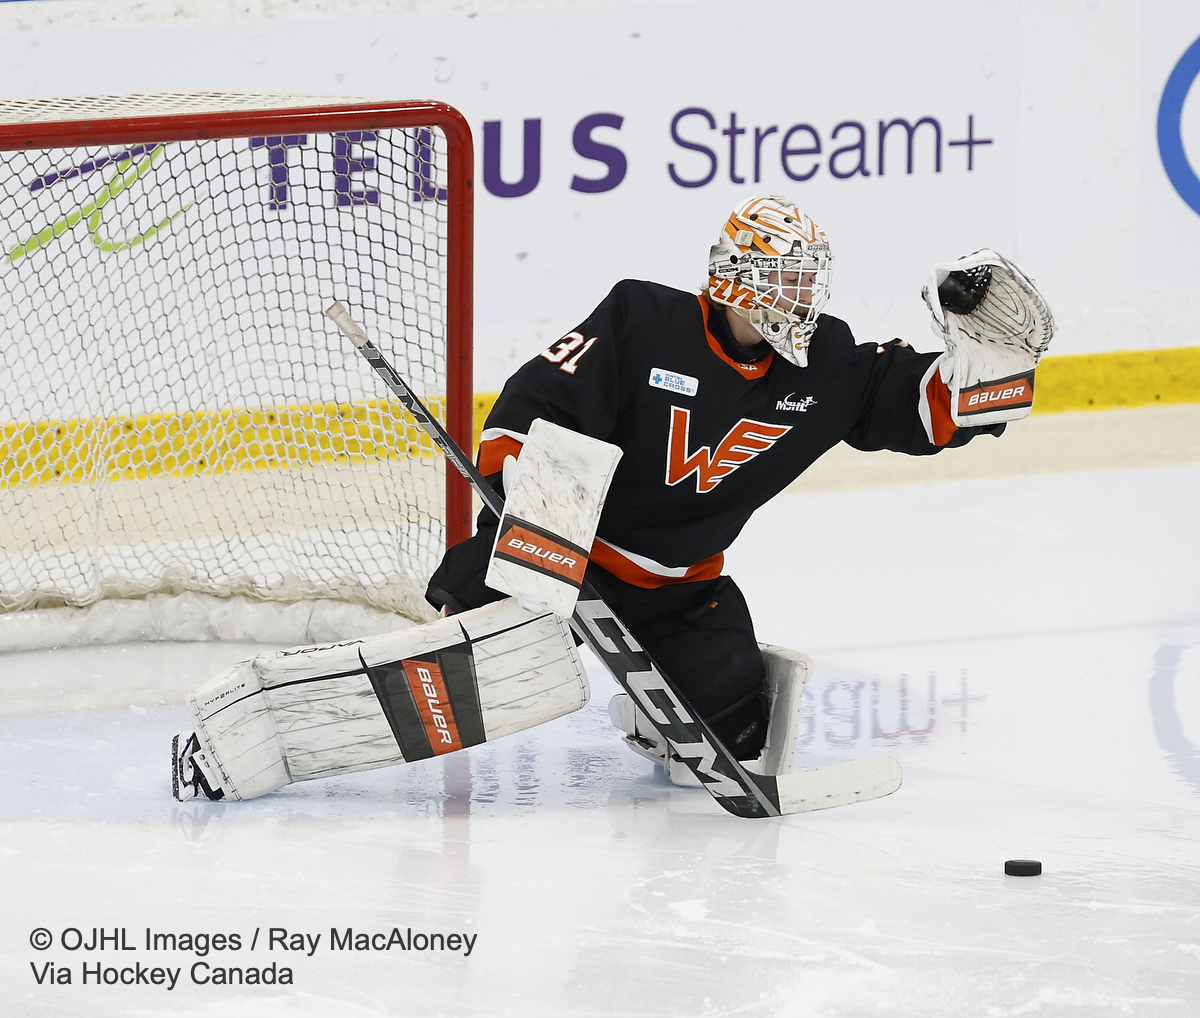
424,170
911,129
609,155
759,137
531,166
786,152
349,161
277,146
859,146
90,166
732,132
970,141
693,111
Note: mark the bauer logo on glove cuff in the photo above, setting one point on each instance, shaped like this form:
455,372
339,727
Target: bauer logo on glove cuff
541,551
1005,394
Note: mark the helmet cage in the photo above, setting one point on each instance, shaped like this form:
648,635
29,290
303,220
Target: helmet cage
772,265
792,289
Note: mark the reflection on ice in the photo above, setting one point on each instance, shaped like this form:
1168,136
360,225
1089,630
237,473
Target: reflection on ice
1174,697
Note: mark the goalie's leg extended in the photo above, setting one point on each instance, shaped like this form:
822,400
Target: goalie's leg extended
318,711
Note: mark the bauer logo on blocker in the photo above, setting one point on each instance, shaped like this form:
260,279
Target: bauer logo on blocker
673,381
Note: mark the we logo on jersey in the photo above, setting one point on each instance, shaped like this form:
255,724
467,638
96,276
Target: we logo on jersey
745,440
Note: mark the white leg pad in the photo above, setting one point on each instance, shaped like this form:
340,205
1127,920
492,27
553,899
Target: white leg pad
452,683
237,733
788,672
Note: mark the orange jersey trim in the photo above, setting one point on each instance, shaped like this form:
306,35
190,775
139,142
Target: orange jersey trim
610,560
937,393
494,450
748,369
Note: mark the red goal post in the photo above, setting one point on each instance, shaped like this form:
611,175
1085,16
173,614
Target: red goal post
177,238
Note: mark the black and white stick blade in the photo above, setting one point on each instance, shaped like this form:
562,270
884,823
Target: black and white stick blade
838,784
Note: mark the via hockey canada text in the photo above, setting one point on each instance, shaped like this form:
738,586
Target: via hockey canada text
211,963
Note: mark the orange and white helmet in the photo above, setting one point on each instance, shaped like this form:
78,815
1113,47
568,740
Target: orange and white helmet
773,267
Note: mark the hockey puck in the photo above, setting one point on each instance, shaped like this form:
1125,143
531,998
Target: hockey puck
1022,868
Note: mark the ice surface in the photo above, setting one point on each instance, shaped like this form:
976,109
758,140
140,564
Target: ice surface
1029,648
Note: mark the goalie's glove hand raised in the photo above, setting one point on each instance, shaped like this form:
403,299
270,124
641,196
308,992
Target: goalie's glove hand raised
996,326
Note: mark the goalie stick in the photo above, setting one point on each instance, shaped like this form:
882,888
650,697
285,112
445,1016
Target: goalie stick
739,791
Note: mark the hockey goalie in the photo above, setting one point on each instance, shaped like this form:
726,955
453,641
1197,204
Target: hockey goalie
633,451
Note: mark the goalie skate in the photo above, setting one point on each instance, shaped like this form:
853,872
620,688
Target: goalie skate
642,737
188,777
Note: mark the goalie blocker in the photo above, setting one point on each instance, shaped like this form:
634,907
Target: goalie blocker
554,492
314,712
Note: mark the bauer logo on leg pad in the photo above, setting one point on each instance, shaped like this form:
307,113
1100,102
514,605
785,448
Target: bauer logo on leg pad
431,701
541,551
433,704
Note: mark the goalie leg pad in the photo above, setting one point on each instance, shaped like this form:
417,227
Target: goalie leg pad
788,672
319,711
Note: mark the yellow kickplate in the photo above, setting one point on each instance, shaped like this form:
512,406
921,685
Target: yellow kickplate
274,438
1090,381
209,442
1101,381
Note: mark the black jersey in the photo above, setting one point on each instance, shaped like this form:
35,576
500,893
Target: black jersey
710,430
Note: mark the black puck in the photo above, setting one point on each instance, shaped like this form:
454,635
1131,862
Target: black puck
1022,868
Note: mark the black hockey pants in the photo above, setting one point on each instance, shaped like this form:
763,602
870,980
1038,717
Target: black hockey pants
699,633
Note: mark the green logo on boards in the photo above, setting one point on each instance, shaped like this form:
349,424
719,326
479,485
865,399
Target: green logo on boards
128,172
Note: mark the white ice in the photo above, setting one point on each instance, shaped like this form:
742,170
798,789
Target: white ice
1029,648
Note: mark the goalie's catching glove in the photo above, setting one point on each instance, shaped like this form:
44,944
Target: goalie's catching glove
996,326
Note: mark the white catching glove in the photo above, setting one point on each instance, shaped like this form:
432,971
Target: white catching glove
996,326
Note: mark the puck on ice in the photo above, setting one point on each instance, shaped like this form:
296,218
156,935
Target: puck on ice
1022,868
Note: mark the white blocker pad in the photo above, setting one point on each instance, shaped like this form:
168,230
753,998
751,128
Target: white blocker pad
992,349
456,682
550,516
788,672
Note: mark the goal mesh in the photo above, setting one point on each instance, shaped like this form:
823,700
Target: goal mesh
178,414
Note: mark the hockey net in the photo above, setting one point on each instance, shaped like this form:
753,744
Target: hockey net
178,416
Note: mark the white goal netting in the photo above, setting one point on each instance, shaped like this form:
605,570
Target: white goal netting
178,415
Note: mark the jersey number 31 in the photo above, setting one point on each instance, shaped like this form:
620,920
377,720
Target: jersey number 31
571,343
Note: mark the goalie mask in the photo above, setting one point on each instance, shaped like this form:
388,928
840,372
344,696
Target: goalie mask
772,266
